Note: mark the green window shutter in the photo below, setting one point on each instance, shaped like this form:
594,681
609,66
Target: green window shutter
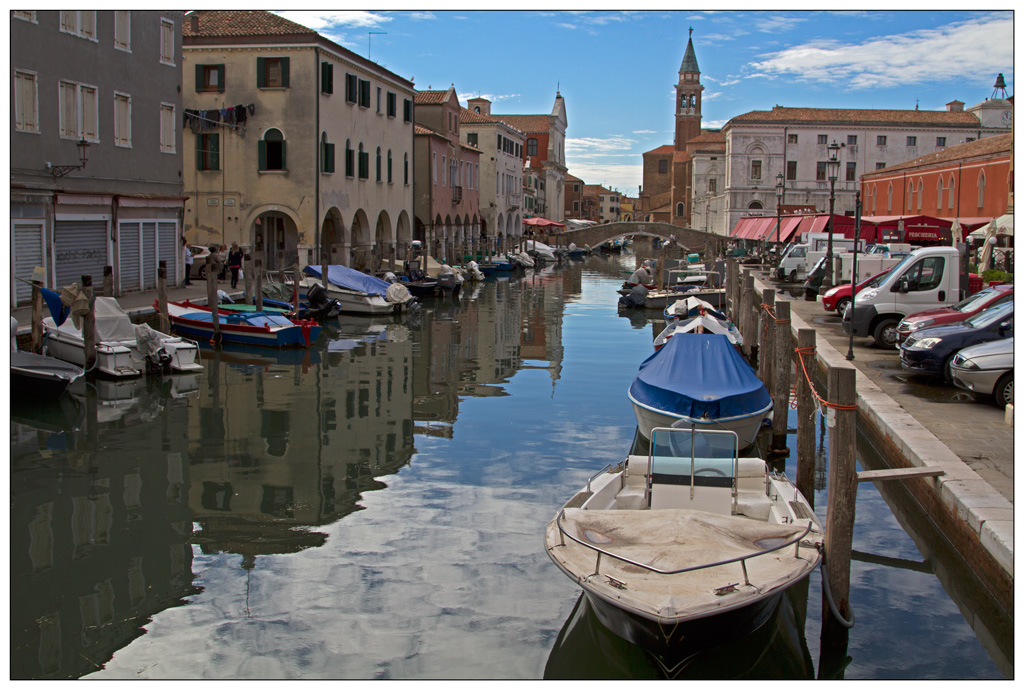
199,78
220,78
215,151
329,158
199,152
261,70
284,150
326,77
261,147
284,72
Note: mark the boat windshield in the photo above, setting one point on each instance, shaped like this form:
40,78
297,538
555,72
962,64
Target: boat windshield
685,442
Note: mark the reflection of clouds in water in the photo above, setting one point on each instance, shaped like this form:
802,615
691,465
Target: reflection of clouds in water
400,590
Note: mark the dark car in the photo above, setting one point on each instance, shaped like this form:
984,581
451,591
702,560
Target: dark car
930,350
964,309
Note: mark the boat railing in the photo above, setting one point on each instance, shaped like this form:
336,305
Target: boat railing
693,434
742,560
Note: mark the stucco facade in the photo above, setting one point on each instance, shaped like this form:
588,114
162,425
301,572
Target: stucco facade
501,170
320,161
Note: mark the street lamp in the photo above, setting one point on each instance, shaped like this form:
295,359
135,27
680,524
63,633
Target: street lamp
83,156
853,283
780,190
832,166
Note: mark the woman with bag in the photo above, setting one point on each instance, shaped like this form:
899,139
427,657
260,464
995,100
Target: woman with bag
234,263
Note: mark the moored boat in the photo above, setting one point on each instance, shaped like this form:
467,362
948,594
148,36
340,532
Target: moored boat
265,329
357,293
39,377
688,545
700,379
701,323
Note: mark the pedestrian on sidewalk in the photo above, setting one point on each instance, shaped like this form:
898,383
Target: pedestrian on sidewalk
188,262
234,263
222,259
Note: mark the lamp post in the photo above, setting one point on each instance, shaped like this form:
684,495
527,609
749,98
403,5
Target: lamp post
780,190
853,284
83,156
832,166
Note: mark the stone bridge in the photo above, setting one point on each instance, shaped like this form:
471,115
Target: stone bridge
688,238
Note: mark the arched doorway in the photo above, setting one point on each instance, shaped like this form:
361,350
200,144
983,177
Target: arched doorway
362,242
332,239
403,235
275,239
383,245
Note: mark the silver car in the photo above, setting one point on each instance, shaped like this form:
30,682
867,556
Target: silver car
986,369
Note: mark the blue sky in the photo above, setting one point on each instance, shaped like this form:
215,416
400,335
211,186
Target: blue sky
617,69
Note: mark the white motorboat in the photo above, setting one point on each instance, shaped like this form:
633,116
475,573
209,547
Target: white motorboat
358,293
123,349
687,546
702,323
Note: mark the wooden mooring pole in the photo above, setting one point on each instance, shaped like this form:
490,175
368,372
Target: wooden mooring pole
805,414
842,489
247,277
161,296
89,324
108,281
765,361
782,358
37,314
211,295
258,290
748,323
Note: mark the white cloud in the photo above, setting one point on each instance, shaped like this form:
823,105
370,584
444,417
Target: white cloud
778,24
644,131
623,177
589,146
981,46
422,15
492,97
319,21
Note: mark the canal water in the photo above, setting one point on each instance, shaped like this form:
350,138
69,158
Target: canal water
375,508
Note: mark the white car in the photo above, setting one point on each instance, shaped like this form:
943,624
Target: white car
986,369
199,254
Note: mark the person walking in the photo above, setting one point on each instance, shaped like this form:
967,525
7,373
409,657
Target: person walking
188,262
234,263
222,259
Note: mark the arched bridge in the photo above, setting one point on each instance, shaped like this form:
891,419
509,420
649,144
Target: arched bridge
692,240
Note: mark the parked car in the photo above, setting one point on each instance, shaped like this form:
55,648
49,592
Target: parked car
930,350
838,298
199,254
963,309
986,369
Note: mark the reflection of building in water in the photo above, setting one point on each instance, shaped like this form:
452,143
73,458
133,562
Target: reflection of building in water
544,304
99,532
277,447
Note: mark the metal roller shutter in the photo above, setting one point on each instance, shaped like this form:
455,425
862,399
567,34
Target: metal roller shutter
169,249
80,248
149,251
129,257
28,253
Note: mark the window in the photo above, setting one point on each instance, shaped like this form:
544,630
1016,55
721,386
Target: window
122,30
889,205
575,207
981,189
969,139
271,151
350,159
823,139
392,104
390,180
952,186
27,15
471,138
79,114
351,88
122,120
326,77
378,165
444,169
168,129
881,139
713,185
790,170
924,275
80,23
879,166
755,170
209,78
272,73
26,102
938,193
407,110
940,141
911,141
531,147
207,152
167,36
851,139
326,154
662,166
920,194
819,173
405,168
792,139
680,209
851,172
364,163
364,93
434,164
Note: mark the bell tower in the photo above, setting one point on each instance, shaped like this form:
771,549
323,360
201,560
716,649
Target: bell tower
688,92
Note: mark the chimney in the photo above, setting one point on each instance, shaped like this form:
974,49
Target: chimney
955,107
194,17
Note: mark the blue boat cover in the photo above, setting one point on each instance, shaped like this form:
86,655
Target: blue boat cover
346,277
700,375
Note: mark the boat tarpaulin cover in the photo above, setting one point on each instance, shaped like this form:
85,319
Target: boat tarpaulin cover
346,277
700,375
112,323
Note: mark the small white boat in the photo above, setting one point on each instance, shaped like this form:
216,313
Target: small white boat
702,323
41,378
123,349
688,546
357,292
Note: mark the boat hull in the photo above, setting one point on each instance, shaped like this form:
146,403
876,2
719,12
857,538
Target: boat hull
41,378
351,302
746,428
197,322
119,359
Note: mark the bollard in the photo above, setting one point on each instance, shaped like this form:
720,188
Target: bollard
211,296
108,281
782,358
258,290
89,324
247,276
161,296
842,487
805,415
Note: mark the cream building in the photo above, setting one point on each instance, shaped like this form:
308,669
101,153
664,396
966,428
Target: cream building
293,143
501,170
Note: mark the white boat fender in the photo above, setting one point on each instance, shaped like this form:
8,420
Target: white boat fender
397,294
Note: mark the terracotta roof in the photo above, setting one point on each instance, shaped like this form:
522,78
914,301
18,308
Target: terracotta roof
525,123
706,136
420,129
474,118
431,97
572,178
852,116
680,157
986,146
661,150
241,23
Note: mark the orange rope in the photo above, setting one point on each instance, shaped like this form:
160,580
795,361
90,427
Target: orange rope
801,351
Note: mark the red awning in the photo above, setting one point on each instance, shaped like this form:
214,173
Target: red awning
742,228
789,226
542,222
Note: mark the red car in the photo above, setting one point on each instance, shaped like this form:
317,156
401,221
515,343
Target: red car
838,298
964,309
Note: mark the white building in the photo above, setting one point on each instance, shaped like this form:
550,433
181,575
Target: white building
501,169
